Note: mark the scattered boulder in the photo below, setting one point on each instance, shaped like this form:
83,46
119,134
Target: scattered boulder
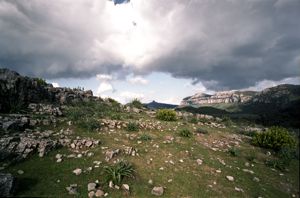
256,179
111,153
230,178
77,171
199,161
72,189
248,171
91,194
99,193
92,186
238,189
20,172
128,150
157,191
125,187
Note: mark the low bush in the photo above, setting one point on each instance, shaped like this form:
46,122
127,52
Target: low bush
275,138
118,172
201,131
185,133
145,137
234,152
251,156
115,116
227,121
275,163
132,126
283,160
193,120
89,124
166,115
40,81
136,103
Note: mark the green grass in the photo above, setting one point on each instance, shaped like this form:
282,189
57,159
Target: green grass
188,178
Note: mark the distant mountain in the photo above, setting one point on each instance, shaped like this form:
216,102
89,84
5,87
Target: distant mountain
277,105
224,97
157,105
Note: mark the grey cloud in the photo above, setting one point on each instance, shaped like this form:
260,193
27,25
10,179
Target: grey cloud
226,44
244,42
36,40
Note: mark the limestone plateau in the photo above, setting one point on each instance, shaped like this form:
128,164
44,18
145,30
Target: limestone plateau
280,94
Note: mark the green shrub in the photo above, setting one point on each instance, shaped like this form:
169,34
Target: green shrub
76,113
227,121
275,138
40,81
287,154
118,172
145,137
136,103
283,160
166,115
185,133
275,163
251,156
201,131
89,124
234,152
132,126
115,116
193,120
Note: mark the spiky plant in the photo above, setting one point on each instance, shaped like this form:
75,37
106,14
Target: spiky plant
118,172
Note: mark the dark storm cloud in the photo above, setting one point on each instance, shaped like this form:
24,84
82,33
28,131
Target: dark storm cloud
224,44
37,38
243,42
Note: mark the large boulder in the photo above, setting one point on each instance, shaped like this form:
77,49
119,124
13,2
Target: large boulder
6,184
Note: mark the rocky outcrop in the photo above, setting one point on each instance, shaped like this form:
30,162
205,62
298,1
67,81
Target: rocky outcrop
280,95
17,91
18,147
217,98
6,184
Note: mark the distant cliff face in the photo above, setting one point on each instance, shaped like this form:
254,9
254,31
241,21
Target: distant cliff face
218,98
281,95
18,91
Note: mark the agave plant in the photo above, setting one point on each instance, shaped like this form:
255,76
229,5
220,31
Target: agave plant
119,171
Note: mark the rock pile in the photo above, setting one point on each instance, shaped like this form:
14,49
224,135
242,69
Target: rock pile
20,147
49,109
83,143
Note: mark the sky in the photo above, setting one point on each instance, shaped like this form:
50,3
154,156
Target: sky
153,50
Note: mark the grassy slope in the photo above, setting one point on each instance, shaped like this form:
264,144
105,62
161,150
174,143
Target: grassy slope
189,179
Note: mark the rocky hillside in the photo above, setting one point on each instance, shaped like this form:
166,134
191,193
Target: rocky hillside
281,94
225,97
17,91
57,147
